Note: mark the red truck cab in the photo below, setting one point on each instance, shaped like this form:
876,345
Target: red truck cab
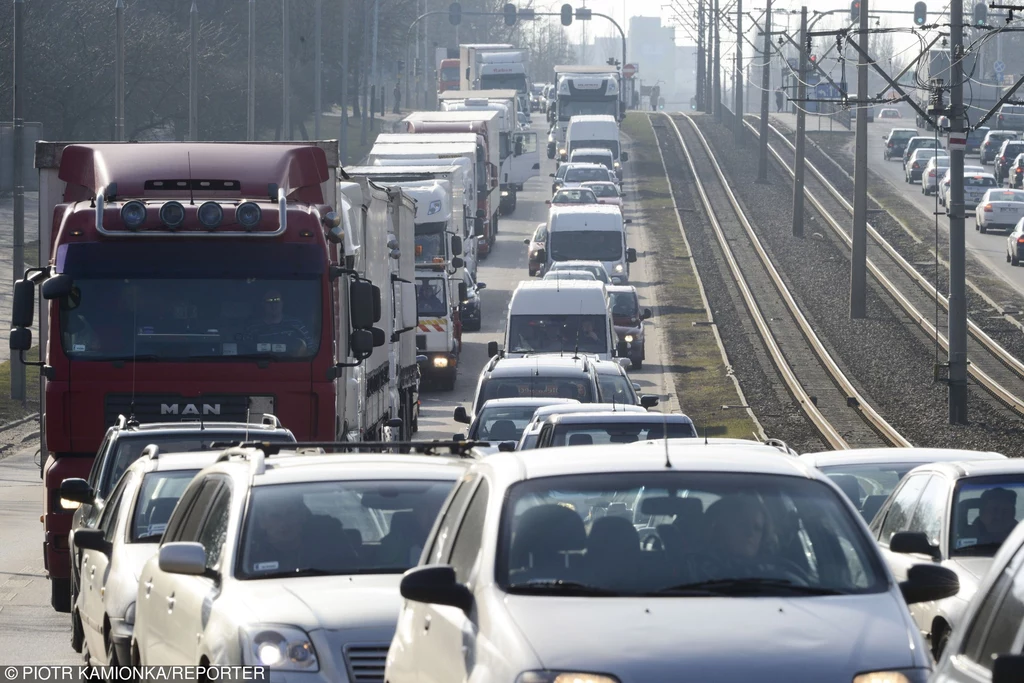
448,77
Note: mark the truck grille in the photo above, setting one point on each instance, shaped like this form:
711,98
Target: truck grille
366,662
178,408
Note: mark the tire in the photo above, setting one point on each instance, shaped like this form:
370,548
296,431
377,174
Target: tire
60,595
1014,261
982,228
940,644
1007,257
638,363
77,632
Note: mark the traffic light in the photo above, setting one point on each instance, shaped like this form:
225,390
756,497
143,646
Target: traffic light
814,59
920,14
455,13
566,15
981,14
855,10
510,14
401,66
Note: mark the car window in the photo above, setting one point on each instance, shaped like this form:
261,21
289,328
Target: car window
466,547
192,518
985,511
108,520
501,423
931,510
615,389
537,387
794,533
338,527
861,482
158,495
618,433
902,508
442,539
995,624
97,464
215,529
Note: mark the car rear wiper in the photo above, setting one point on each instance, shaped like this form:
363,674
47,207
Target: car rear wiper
747,586
295,573
552,586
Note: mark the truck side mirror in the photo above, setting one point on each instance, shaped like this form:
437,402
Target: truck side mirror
21,339
631,255
461,415
624,156
492,349
480,213
57,287
360,344
478,227
23,308
456,246
361,305
463,291
376,304
458,262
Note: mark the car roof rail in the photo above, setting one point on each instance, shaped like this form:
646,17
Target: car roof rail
436,447
271,420
152,451
242,451
122,422
781,445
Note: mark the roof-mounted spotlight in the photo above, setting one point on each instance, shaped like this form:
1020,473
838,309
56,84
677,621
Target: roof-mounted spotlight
173,215
248,215
211,215
133,214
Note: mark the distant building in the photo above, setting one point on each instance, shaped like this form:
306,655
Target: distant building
652,48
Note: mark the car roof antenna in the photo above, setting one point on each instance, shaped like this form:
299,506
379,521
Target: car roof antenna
135,354
248,415
191,193
576,350
664,423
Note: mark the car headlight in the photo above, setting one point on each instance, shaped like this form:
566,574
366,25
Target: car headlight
281,648
561,151
435,206
905,676
628,339
440,362
504,193
616,164
565,677
619,268
129,615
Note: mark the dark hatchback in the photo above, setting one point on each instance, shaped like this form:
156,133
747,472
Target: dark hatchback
469,305
896,142
1005,157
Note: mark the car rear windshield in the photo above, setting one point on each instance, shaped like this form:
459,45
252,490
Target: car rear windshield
624,304
604,190
501,423
867,486
618,432
979,182
337,527
159,494
902,135
1016,196
579,388
634,534
579,175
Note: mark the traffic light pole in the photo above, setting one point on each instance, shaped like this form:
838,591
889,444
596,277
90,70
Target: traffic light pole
858,260
718,63
762,162
738,76
700,55
957,257
801,132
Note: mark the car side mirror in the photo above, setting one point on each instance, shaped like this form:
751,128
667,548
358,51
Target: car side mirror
551,175
929,582
628,221
649,400
624,156
435,585
77,491
1008,668
481,285
182,558
458,437
631,255
57,287
913,543
492,349
461,415
92,539
647,314
526,241
507,446
24,305
548,202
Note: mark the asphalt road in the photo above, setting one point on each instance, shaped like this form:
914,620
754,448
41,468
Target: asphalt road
32,633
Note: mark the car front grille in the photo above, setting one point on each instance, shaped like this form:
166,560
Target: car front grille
366,662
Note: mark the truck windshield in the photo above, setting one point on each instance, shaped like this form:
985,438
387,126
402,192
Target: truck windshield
557,334
430,239
585,245
569,107
515,82
184,302
450,74
430,297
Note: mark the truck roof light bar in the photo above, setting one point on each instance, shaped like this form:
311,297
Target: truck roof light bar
133,224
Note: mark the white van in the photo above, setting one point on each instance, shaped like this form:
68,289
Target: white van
589,232
595,131
565,317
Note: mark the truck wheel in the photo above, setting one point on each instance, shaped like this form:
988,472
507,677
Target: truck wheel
638,363
515,201
60,595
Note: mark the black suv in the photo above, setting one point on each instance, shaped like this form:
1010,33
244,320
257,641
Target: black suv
896,142
123,444
1005,157
993,141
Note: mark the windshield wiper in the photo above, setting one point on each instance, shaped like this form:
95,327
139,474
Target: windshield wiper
295,573
551,586
748,586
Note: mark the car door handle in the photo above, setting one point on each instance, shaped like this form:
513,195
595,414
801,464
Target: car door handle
170,602
426,623
149,587
92,571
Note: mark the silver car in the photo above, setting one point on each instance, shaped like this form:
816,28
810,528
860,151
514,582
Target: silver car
656,561
975,187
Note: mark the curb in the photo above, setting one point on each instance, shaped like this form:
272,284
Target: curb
18,423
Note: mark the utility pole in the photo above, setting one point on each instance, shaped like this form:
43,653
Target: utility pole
738,75
700,55
343,135
801,130
858,261
957,286
193,73
119,71
18,264
798,178
766,75
286,51
318,84
718,64
709,78
251,113
373,58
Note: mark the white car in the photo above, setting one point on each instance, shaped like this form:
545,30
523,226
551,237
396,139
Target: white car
289,560
503,419
936,167
656,561
919,160
575,175
595,268
975,187
567,274
532,430
955,515
607,192
596,155
127,536
999,210
943,188
1015,244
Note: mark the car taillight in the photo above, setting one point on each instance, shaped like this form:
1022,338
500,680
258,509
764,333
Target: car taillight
1020,169
987,144
988,208
1020,240
890,144
915,164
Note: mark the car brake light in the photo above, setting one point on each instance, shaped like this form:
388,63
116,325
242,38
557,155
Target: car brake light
988,208
890,144
1020,240
987,144
915,164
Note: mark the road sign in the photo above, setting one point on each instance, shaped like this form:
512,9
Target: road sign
813,78
998,67
826,91
958,141
629,70
1009,79
794,63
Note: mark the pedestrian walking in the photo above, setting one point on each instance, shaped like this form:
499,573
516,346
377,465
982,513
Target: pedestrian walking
778,99
398,99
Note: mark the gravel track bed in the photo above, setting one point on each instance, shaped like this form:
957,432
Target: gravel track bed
886,356
764,390
918,253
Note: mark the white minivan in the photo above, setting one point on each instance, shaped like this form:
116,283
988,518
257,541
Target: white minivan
593,130
589,232
567,317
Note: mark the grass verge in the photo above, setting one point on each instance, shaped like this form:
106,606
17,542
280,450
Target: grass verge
11,410
701,378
